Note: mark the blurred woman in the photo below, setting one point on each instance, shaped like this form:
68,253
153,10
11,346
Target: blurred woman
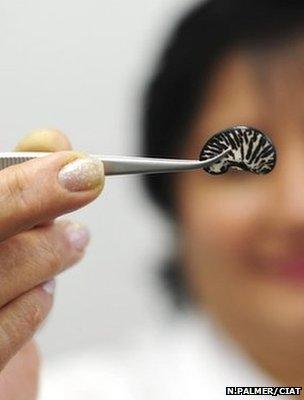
239,263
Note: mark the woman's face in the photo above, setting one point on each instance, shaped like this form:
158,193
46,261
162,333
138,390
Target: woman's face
242,235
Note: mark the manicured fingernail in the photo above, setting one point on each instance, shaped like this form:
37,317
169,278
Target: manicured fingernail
49,286
78,235
82,174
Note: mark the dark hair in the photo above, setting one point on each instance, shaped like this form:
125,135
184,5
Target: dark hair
177,88
200,39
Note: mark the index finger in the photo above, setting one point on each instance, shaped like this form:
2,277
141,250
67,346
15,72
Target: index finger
45,188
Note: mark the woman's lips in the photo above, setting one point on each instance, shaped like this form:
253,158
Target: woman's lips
286,267
292,269
282,257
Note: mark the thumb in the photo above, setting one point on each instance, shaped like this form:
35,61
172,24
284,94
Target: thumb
48,140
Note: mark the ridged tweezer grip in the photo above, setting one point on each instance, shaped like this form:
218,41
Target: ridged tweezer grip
8,161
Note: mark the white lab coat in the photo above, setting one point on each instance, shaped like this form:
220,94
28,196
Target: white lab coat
188,358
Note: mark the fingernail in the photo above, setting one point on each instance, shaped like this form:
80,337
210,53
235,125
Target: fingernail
78,235
82,174
49,286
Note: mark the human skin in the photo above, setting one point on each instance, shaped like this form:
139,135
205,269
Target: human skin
242,235
35,248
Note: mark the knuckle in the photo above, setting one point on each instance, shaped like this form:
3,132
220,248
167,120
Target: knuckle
33,315
19,190
9,253
19,326
14,252
27,317
37,253
16,182
48,254
47,257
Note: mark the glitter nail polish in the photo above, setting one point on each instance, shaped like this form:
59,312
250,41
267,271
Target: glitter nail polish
82,174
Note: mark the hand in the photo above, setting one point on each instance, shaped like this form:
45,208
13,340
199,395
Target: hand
33,248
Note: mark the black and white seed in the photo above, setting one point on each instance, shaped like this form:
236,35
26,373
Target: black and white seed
250,150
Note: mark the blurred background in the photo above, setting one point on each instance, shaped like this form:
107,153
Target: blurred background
80,66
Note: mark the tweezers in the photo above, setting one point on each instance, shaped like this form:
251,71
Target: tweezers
120,165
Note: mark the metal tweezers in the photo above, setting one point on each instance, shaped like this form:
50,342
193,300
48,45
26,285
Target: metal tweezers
119,165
